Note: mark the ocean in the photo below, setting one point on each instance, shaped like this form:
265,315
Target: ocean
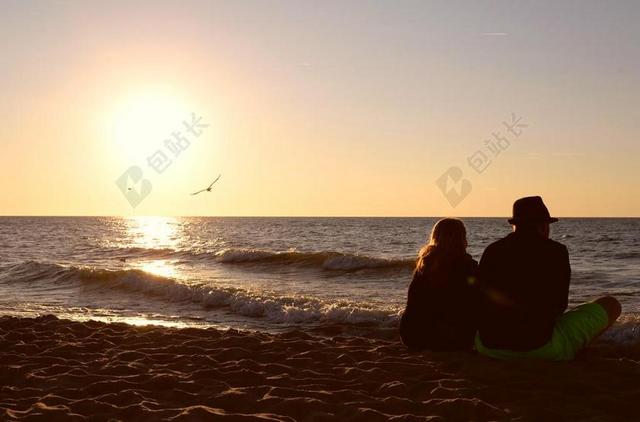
268,274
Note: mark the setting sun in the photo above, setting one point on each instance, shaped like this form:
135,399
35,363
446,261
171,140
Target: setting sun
143,121
327,210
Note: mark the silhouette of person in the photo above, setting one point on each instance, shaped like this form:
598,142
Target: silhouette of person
524,279
441,302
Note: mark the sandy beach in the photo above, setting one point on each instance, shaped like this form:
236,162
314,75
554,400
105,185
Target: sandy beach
53,369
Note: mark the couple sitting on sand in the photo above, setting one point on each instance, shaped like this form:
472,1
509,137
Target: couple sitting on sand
510,306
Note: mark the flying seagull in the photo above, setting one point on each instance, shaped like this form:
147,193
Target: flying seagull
209,188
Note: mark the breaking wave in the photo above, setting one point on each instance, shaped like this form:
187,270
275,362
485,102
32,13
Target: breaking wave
274,307
324,260
269,305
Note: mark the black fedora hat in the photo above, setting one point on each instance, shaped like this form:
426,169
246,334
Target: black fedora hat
531,210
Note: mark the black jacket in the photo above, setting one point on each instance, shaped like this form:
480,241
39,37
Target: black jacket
442,315
525,287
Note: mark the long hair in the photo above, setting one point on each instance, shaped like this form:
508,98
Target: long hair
448,242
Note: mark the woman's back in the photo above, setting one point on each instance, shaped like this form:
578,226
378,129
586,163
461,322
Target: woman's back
441,315
442,299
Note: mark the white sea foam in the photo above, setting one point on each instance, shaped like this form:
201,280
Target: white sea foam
274,307
268,305
625,331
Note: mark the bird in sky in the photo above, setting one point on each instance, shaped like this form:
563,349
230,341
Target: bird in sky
209,188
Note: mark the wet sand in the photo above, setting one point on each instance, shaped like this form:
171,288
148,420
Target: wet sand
53,369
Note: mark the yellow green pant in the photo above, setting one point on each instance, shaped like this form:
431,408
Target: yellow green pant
572,332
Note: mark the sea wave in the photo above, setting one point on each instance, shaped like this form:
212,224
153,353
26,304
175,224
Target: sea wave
327,260
627,255
324,260
624,332
270,305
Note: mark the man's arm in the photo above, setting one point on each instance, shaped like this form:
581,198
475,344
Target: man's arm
485,273
485,263
563,281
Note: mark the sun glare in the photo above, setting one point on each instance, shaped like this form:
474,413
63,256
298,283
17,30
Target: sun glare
159,267
154,232
142,122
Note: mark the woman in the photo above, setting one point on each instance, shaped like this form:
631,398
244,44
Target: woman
441,304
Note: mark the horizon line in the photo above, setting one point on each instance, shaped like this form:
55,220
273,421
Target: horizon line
290,216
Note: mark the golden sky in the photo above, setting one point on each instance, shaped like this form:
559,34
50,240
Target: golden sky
319,109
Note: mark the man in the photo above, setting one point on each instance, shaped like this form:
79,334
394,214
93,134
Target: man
525,282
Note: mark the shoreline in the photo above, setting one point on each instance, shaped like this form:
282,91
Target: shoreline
54,369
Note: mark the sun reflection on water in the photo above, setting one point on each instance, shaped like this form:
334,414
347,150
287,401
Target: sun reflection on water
154,232
141,321
159,267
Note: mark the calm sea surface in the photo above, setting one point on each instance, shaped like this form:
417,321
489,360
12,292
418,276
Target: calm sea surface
264,273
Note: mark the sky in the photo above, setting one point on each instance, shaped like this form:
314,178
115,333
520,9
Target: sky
333,108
